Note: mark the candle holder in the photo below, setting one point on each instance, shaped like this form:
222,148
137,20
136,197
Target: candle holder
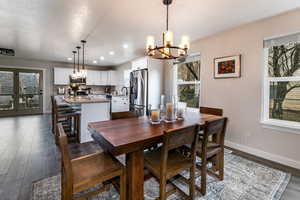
170,113
155,117
181,109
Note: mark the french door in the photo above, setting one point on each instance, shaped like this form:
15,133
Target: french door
21,92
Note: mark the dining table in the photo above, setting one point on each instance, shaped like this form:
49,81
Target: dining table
131,136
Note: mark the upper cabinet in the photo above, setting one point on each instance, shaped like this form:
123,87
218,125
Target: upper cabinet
93,77
62,76
112,78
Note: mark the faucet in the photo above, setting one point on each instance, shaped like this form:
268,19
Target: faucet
126,92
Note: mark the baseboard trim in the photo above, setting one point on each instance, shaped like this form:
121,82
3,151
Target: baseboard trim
272,157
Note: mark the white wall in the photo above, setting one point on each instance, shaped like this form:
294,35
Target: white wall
241,98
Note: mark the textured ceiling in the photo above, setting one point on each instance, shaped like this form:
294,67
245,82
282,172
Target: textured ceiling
50,29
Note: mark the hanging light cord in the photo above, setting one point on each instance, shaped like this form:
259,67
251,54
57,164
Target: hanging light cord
78,58
74,69
83,42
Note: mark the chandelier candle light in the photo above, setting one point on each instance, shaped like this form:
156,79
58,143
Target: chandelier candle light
167,50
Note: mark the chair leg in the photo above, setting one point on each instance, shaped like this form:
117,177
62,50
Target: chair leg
192,182
203,177
78,129
162,189
55,132
221,165
123,186
66,192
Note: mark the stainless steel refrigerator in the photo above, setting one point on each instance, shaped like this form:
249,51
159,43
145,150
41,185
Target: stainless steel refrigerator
138,99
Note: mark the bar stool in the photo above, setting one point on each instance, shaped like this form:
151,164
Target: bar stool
69,118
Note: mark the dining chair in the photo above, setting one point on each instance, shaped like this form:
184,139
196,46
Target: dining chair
87,172
212,111
167,162
123,115
211,151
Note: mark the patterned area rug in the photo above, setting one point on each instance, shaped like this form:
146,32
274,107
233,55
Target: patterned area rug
244,180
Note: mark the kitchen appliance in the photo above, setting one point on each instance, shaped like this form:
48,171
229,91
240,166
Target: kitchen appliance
138,99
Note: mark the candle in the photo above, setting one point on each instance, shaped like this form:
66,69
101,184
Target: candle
180,113
155,116
162,99
169,111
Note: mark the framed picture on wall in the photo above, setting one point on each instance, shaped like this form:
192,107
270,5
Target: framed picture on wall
227,67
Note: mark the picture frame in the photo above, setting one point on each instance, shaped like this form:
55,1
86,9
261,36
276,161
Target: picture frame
227,67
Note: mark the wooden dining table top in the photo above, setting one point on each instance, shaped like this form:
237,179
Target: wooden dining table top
127,135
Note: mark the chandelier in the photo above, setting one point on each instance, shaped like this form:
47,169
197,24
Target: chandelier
79,73
167,50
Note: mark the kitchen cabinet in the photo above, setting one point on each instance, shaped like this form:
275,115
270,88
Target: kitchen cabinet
112,78
120,104
94,77
62,76
103,78
98,78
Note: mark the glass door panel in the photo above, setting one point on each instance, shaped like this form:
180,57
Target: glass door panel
30,92
7,91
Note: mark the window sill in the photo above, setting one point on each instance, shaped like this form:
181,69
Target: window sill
279,125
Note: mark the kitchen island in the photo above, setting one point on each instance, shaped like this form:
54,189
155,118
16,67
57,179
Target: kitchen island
92,109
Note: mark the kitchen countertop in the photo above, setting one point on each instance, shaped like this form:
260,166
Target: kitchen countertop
79,100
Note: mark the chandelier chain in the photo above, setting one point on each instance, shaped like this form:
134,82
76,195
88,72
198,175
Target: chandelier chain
167,17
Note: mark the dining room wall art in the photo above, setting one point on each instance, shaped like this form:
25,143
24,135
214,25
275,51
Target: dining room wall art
227,67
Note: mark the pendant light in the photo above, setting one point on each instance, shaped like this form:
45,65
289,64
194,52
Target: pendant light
83,71
167,50
74,58
79,75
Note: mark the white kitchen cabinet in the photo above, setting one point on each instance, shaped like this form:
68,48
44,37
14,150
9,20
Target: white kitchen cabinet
96,77
90,77
103,78
112,78
120,104
62,76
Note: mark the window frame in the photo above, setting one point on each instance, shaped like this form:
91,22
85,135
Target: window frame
265,115
177,82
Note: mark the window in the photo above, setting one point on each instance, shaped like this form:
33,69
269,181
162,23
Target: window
187,81
282,81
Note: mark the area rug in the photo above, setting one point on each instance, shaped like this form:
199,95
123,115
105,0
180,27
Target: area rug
244,180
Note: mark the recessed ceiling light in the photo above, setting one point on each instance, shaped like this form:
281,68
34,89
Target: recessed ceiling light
101,57
125,46
111,53
95,62
69,59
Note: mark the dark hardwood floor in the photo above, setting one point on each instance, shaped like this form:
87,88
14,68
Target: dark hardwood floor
28,153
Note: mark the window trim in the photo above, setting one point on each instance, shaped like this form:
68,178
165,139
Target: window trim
177,82
282,125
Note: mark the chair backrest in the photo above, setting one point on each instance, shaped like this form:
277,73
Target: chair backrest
65,155
176,138
217,129
123,115
212,111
